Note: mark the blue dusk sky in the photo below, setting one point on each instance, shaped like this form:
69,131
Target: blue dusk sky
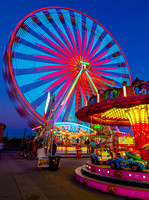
126,20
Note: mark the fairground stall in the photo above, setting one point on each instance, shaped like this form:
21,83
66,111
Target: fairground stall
126,175
68,136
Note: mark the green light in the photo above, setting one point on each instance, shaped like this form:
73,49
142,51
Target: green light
92,82
83,62
98,127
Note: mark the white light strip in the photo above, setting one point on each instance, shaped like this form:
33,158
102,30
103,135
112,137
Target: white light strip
47,102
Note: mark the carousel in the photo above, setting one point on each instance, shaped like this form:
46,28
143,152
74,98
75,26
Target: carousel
126,172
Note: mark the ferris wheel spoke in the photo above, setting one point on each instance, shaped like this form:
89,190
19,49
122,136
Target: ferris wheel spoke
108,81
54,59
102,62
101,84
69,93
83,94
92,83
106,74
99,81
94,51
83,87
84,44
89,48
106,67
68,107
59,102
52,67
45,29
64,90
66,84
98,57
41,83
63,46
88,89
63,78
55,74
71,28
107,42
72,41
77,94
79,43
29,47
68,43
74,44
56,53
36,37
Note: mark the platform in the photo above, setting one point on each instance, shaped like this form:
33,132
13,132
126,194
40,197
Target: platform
119,182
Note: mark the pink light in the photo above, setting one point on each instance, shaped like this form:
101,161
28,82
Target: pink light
104,68
90,83
56,73
95,50
36,128
63,78
103,73
89,49
63,91
55,67
87,85
68,43
98,57
102,62
68,53
79,43
55,53
74,43
103,186
54,59
103,79
70,91
83,90
77,94
84,45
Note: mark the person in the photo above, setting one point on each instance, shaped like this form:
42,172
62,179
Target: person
88,145
34,148
62,142
54,148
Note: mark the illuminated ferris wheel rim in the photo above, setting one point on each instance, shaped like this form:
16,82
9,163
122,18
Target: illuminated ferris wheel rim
10,51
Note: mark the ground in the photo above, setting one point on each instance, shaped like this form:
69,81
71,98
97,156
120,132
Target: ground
21,180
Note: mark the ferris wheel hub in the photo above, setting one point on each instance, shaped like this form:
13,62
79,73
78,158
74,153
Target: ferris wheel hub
84,65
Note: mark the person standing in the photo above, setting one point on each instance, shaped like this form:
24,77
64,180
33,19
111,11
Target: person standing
54,148
88,145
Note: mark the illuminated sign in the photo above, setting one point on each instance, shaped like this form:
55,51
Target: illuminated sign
142,89
111,94
98,127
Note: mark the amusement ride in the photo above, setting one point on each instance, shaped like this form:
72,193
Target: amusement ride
66,58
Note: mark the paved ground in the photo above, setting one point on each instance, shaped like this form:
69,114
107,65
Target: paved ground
21,180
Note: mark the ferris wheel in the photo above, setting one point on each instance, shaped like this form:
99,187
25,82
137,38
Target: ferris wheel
66,52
